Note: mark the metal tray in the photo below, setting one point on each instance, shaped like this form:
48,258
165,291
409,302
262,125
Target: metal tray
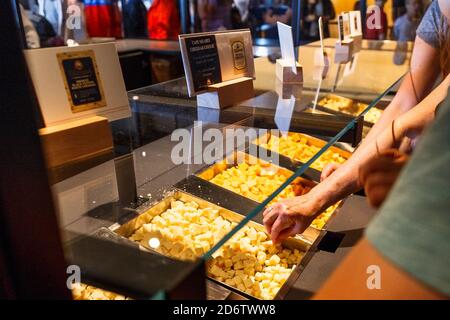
232,160
298,242
321,106
311,140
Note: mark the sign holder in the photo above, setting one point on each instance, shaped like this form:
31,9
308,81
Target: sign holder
226,94
288,70
80,90
70,148
344,47
219,67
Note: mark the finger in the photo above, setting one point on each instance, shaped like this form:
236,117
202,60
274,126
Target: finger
390,153
373,165
270,208
269,219
327,171
297,228
282,222
377,196
378,186
286,233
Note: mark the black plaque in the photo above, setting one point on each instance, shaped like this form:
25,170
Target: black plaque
204,61
82,81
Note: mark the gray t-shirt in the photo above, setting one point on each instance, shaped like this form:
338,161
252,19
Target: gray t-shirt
405,29
412,228
434,26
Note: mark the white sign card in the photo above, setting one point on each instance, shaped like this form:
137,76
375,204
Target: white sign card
214,57
74,83
287,45
321,34
344,26
355,23
319,54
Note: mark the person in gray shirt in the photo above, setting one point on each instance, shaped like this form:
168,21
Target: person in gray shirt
405,26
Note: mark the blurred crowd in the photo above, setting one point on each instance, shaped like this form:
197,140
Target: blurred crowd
53,22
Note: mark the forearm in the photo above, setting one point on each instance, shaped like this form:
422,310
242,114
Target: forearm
344,181
389,134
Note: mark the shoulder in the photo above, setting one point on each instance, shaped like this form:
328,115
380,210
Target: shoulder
430,28
400,20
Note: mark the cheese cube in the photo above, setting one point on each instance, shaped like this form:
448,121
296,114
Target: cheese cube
228,263
273,261
261,256
249,271
215,271
238,265
230,282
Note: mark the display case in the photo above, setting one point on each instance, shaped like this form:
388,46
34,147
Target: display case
181,215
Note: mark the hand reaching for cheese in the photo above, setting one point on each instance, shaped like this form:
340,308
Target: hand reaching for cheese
288,217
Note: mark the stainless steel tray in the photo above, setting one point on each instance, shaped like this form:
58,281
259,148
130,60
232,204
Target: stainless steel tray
311,140
321,106
210,172
299,242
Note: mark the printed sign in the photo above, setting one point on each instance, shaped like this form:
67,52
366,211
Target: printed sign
344,26
214,57
239,57
81,80
204,61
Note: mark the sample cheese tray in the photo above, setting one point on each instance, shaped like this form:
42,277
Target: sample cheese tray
341,105
256,179
185,227
300,148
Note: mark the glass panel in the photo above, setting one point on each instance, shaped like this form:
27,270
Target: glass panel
194,182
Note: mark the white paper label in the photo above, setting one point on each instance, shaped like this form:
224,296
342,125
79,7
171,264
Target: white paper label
287,45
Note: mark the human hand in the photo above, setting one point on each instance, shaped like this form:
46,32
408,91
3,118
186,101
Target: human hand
380,173
328,170
289,217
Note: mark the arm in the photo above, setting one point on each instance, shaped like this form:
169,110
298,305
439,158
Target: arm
349,280
296,214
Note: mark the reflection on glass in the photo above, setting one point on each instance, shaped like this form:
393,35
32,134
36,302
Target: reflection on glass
311,11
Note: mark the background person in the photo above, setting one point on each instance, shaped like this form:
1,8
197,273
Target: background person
31,36
215,15
134,19
163,20
311,11
406,25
